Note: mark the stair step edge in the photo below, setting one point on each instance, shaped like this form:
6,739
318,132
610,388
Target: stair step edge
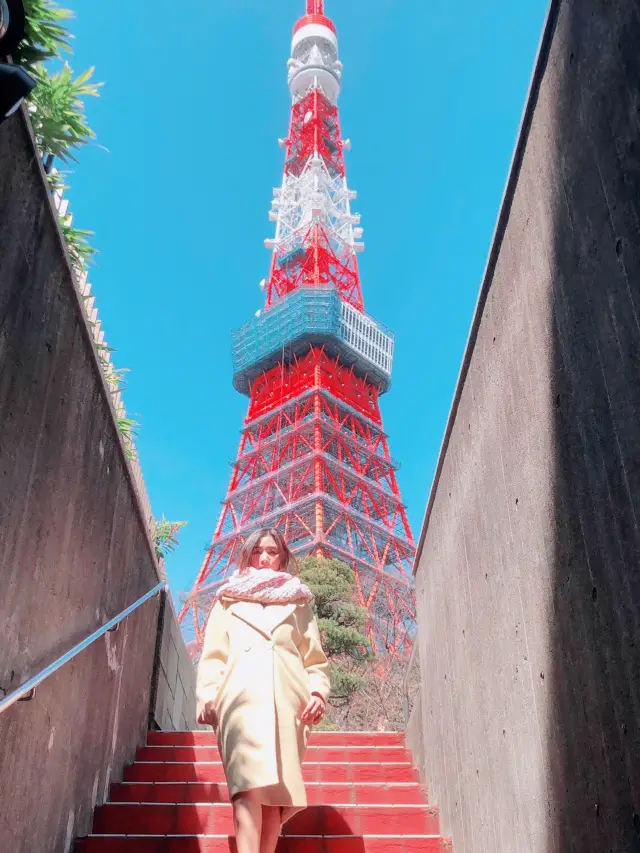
203,835
310,806
321,784
304,763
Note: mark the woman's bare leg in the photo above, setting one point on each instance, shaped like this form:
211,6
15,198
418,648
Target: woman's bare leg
270,828
247,820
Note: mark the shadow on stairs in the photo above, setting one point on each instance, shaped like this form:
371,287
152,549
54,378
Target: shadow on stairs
363,791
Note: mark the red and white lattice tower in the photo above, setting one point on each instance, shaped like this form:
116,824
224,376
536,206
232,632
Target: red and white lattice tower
313,459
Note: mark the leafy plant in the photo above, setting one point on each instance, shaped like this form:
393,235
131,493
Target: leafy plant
166,536
102,348
128,429
57,104
80,250
341,622
115,377
58,111
46,36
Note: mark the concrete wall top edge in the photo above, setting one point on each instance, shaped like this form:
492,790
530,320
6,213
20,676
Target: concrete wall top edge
70,279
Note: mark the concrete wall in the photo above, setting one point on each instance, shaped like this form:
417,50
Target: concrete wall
528,578
74,546
175,697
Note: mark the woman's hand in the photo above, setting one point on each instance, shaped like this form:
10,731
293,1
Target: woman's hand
206,714
315,709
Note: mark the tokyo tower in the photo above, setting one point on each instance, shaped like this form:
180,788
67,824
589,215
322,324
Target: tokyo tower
313,459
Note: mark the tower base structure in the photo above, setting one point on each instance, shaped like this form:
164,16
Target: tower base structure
314,462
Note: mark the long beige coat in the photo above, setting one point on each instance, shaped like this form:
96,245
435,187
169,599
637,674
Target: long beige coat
260,665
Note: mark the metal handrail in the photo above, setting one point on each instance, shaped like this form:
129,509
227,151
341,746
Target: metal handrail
26,690
405,683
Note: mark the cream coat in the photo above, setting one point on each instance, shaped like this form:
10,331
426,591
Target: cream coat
259,666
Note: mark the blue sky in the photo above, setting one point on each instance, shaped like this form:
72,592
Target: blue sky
194,100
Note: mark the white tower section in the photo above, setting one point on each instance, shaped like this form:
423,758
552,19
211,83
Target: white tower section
316,194
314,61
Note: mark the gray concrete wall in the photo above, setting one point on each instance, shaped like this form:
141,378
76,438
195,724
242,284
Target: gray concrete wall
74,548
528,579
415,738
175,699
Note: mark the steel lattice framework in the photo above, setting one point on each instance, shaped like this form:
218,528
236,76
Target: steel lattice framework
314,459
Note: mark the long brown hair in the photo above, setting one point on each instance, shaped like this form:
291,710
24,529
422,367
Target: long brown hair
287,560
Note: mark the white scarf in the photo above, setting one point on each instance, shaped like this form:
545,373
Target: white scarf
265,586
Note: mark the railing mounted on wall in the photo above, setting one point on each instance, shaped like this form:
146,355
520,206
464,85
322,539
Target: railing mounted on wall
26,691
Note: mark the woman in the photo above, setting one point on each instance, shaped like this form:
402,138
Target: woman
262,682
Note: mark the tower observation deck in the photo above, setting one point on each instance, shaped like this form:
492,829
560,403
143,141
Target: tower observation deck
313,459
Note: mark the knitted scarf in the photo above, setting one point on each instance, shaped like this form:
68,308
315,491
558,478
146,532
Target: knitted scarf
266,587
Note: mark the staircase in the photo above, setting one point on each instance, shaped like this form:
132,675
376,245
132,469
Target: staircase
363,791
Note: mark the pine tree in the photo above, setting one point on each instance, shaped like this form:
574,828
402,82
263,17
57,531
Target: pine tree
341,622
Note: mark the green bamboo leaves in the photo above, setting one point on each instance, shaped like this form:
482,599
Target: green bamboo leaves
166,536
58,111
46,36
57,104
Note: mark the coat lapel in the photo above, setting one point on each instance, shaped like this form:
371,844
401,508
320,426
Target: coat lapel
275,614
251,613
263,619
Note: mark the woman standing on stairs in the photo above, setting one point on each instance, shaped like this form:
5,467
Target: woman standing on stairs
262,682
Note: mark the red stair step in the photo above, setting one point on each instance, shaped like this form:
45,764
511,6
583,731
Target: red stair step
214,772
367,793
408,793
348,754
363,791
364,820
208,738
225,844
169,792
160,819
365,772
